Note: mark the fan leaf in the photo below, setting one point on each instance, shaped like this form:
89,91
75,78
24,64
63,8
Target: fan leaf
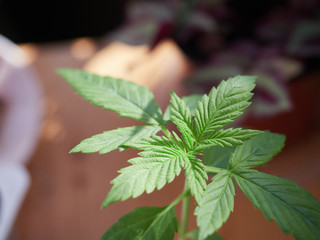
195,235
190,101
257,151
229,137
223,105
157,165
195,176
145,223
126,98
181,116
113,139
292,207
216,204
218,156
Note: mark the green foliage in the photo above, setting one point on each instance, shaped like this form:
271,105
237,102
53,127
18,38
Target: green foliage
223,105
293,208
181,116
158,164
145,223
195,233
111,140
257,151
216,204
195,176
191,103
229,137
218,156
126,98
204,145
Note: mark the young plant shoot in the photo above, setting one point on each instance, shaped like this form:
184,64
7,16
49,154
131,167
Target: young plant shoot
202,145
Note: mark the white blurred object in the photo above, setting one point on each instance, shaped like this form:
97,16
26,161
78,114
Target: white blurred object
22,97
14,182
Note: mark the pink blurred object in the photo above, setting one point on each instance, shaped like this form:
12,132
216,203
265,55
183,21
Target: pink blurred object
21,115
22,96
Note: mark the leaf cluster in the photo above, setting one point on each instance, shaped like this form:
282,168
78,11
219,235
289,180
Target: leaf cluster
203,145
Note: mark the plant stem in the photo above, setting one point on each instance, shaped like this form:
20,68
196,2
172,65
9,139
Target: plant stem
184,215
213,169
166,131
179,198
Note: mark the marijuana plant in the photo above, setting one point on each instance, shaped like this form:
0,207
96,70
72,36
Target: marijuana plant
203,146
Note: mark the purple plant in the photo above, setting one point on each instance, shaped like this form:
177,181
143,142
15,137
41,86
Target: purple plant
277,40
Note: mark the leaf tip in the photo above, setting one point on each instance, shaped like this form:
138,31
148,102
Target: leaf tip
173,94
105,203
103,206
62,71
74,150
111,197
246,81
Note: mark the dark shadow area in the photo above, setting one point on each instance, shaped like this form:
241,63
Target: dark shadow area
42,21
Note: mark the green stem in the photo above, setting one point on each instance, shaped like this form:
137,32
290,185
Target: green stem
213,169
184,215
166,132
179,198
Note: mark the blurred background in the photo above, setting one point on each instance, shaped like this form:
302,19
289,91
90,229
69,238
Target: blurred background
188,46
37,21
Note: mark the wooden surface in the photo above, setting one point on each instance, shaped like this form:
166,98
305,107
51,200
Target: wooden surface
64,200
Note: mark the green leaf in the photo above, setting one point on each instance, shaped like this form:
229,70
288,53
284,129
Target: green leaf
293,208
218,156
195,176
158,164
215,205
111,140
123,97
230,137
181,116
223,105
190,101
145,223
195,233
257,151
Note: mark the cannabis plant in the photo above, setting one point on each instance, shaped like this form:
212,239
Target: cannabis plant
214,158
